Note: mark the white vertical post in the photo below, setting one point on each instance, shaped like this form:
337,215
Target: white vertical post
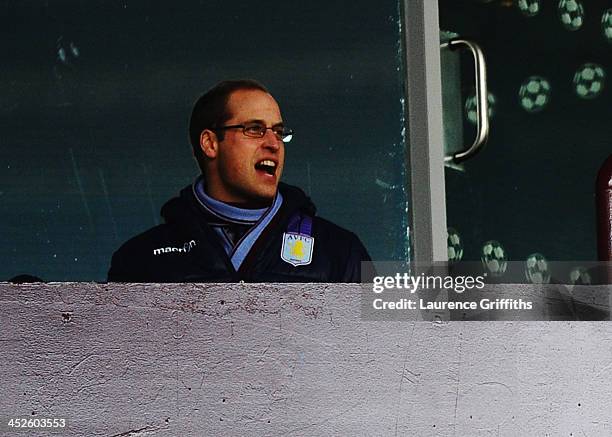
425,154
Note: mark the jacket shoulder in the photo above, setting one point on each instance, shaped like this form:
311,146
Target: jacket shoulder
130,262
147,239
344,246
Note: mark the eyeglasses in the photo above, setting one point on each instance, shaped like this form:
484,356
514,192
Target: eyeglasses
257,130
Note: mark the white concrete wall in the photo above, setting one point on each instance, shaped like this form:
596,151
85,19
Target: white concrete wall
172,360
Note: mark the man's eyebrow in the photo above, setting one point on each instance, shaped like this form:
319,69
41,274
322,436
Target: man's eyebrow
254,120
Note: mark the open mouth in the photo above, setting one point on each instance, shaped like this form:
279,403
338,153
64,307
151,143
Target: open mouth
267,166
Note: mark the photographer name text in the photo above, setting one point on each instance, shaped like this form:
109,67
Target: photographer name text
420,304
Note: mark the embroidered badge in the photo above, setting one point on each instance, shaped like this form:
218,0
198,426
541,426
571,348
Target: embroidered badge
297,249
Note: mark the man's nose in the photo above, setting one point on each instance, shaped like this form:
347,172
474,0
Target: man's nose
271,140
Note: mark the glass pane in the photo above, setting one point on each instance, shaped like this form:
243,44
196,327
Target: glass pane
96,96
532,188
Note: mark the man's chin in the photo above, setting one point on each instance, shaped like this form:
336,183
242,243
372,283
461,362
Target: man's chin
266,198
259,199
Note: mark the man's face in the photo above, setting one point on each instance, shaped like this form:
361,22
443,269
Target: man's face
247,170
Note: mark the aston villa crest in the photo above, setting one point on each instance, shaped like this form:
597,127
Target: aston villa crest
297,249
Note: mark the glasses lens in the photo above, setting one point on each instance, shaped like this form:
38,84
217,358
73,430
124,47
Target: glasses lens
254,130
283,133
286,135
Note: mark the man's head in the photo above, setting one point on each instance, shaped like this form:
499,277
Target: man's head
235,131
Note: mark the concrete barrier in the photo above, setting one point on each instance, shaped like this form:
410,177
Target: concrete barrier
287,359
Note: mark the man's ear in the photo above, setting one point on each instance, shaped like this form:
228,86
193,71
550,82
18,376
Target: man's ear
209,143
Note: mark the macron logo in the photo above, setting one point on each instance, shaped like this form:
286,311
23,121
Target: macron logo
186,248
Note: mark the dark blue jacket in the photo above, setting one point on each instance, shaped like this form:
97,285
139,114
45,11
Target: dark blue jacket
186,248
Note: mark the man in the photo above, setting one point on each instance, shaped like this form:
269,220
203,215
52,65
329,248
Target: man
237,222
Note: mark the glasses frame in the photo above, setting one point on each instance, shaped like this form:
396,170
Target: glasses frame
288,132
